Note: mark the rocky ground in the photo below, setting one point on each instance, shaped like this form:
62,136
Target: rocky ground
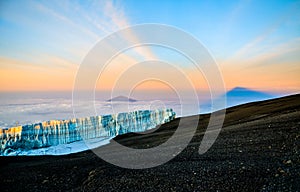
258,149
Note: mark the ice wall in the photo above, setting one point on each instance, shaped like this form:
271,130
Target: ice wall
55,132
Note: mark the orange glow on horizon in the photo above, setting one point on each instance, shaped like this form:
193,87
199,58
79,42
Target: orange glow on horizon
263,77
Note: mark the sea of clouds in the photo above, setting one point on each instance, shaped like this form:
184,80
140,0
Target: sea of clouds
26,108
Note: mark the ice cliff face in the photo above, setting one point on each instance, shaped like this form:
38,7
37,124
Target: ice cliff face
55,132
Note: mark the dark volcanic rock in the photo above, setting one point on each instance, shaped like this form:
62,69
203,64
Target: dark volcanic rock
257,150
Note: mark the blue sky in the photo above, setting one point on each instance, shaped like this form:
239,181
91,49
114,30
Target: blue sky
245,37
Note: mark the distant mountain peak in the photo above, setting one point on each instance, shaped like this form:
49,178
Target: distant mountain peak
239,88
243,91
122,98
240,95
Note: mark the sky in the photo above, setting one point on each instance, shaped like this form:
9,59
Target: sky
256,44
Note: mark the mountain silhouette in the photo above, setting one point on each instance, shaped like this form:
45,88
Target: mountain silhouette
122,99
238,96
248,93
241,95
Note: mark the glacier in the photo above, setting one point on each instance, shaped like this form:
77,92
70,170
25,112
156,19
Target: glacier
51,134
